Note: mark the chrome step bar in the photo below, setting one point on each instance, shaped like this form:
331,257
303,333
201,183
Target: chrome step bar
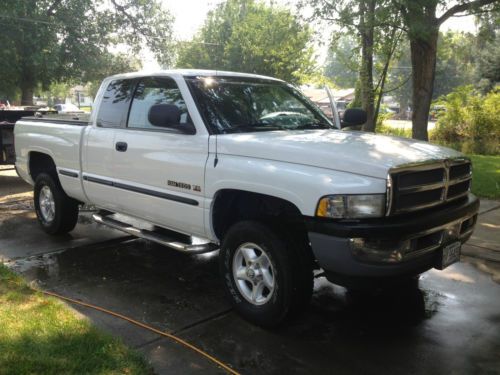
162,239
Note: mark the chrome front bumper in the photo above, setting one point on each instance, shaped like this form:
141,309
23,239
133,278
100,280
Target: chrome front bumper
384,248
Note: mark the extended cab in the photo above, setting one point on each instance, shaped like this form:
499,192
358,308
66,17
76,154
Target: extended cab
202,160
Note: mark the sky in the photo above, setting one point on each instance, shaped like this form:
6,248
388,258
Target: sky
190,15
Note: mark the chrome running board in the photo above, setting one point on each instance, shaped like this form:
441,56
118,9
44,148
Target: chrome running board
160,238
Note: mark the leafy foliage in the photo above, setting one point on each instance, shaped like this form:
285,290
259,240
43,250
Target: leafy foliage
248,36
45,41
470,122
455,62
488,51
342,63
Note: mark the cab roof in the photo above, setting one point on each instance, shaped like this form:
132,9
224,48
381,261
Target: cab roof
191,72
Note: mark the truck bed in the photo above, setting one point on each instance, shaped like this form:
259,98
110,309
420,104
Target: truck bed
56,136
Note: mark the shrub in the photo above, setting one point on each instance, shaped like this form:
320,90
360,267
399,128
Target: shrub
470,122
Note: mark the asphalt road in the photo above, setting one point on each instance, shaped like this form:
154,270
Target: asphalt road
450,323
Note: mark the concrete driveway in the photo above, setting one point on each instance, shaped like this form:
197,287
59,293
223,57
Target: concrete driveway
449,324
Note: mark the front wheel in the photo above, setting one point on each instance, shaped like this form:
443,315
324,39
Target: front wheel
56,212
267,277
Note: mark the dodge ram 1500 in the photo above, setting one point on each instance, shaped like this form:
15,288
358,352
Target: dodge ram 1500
205,160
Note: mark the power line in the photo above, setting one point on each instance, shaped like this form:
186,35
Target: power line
28,20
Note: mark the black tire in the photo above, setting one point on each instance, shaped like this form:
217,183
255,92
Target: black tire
65,208
293,276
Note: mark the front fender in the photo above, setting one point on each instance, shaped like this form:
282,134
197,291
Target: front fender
299,184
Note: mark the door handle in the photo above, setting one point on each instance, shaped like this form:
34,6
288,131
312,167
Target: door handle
121,146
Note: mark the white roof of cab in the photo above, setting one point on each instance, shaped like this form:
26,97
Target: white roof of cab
191,72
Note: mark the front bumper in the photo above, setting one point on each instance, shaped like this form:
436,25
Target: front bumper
393,246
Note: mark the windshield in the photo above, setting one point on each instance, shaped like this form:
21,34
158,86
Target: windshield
241,105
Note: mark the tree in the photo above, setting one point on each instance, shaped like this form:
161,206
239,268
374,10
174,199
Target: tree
488,51
109,64
342,62
248,36
422,26
366,28
374,24
399,80
455,63
46,41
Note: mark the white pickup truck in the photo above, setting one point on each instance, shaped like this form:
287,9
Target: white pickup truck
202,160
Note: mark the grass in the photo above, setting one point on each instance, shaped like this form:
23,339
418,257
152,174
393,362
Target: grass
486,176
398,132
40,335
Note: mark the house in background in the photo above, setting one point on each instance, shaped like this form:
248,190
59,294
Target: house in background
78,95
320,97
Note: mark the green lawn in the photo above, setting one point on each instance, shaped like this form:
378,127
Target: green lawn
40,335
486,176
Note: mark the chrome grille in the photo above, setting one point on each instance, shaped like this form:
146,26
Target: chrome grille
420,186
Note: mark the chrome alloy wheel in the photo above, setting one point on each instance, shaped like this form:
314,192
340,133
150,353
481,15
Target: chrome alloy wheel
253,273
47,204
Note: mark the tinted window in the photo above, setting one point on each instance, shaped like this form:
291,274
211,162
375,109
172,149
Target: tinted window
153,91
115,103
231,105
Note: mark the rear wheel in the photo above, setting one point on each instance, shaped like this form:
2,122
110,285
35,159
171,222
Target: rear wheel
265,274
56,212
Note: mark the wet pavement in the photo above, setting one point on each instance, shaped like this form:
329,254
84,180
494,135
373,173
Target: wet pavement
20,235
449,323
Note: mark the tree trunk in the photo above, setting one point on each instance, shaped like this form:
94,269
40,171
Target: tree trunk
27,95
403,107
423,61
27,85
394,40
381,92
367,10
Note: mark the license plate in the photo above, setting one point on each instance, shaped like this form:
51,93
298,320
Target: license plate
451,254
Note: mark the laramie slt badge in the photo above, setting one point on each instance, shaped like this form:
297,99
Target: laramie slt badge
183,185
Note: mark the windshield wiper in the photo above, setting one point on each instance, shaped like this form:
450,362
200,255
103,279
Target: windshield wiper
313,125
253,127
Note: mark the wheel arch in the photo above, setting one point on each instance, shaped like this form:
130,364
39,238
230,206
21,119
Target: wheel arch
232,205
39,162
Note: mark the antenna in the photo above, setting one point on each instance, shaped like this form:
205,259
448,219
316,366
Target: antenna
216,160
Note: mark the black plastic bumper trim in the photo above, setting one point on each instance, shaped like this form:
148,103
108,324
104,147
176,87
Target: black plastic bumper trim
139,190
399,226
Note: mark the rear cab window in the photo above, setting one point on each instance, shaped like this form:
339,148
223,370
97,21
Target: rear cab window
115,103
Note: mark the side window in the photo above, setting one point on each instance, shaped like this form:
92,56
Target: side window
151,91
115,103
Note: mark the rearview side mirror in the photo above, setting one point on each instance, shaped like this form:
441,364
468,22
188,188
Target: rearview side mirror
169,116
353,117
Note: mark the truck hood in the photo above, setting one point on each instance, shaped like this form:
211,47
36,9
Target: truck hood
354,152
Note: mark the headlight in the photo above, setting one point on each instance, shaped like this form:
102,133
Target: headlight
351,206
